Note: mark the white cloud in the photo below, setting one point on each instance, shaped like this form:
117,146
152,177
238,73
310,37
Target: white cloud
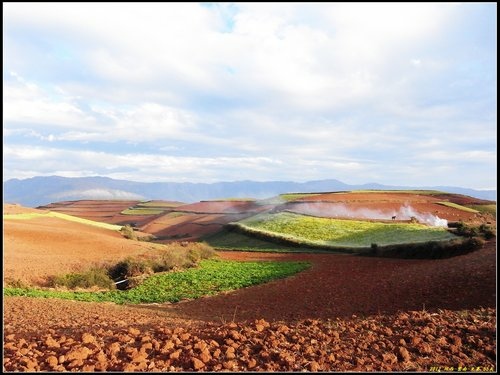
473,156
26,102
274,54
96,194
292,90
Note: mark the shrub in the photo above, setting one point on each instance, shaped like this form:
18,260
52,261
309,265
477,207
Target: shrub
94,277
128,268
181,255
486,231
473,231
135,270
15,283
128,232
168,261
147,238
200,251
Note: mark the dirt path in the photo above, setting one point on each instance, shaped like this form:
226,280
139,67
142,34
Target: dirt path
342,285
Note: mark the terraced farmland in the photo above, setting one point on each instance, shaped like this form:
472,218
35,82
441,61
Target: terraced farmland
28,216
342,233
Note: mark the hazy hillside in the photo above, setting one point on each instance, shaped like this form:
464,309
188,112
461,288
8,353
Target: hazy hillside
37,191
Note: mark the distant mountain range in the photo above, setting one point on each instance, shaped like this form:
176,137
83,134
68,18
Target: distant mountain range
36,191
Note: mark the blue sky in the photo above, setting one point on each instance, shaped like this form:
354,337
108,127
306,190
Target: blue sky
400,94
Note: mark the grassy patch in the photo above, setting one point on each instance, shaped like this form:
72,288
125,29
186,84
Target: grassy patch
165,204
295,196
421,192
94,277
484,208
213,276
141,211
59,215
309,230
458,207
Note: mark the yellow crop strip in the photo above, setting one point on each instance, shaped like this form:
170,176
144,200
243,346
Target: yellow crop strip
28,216
458,206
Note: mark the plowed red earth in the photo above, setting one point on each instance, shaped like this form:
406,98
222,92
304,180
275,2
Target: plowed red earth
389,203
385,209
189,225
341,285
308,322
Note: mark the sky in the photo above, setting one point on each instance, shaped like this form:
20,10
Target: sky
394,93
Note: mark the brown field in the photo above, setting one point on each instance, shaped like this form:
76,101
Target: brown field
14,209
329,209
346,313
389,203
106,211
188,226
221,207
37,248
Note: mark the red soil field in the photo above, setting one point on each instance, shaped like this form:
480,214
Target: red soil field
370,197
219,207
37,248
342,285
389,208
188,226
346,313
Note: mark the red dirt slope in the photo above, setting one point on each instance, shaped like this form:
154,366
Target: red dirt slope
36,248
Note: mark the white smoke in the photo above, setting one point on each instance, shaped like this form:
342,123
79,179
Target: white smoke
339,210
406,212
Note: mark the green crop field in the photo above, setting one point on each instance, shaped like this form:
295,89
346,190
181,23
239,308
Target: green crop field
458,207
142,211
158,204
59,215
484,208
212,277
343,233
294,196
227,240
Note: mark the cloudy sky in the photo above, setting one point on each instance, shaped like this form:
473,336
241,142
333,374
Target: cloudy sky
401,94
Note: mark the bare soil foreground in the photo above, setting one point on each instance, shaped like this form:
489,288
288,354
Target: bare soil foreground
342,285
326,318
345,313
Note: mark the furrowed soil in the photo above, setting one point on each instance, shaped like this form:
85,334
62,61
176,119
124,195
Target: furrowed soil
344,314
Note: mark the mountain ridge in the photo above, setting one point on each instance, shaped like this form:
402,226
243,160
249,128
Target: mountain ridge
41,190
